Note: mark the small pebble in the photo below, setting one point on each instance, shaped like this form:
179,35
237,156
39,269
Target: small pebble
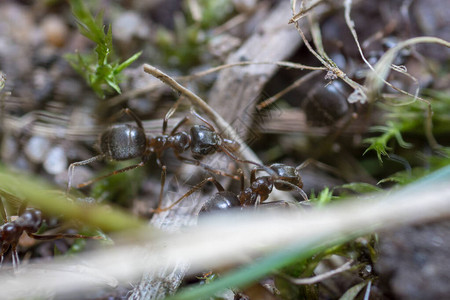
56,161
36,149
55,31
129,25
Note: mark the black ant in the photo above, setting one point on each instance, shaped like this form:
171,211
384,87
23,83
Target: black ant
29,221
283,177
125,141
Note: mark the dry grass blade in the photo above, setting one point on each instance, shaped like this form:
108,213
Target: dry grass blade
321,277
359,94
286,64
377,78
303,11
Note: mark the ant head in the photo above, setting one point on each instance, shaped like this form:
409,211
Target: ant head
288,174
123,142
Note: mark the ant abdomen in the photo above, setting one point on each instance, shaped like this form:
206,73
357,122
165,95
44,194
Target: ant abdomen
221,201
288,174
123,142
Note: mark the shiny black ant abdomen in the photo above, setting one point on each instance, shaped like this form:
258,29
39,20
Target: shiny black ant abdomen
123,142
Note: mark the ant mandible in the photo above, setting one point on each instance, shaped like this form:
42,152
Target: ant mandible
283,177
29,221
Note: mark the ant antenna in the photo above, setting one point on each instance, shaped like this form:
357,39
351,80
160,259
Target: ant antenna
188,193
80,163
299,190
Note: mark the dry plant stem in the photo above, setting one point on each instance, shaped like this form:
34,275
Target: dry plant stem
317,35
116,100
303,11
351,26
333,68
321,277
222,125
237,91
286,64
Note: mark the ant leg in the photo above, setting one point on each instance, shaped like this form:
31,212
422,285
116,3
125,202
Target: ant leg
273,203
219,187
169,114
130,113
241,175
205,166
5,247
15,256
163,182
253,173
202,119
50,237
259,166
299,190
179,124
188,193
142,163
312,161
305,164
79,163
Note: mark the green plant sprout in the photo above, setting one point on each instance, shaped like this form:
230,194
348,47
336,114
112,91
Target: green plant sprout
324,197
379,143
98,68
412,118
185,45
